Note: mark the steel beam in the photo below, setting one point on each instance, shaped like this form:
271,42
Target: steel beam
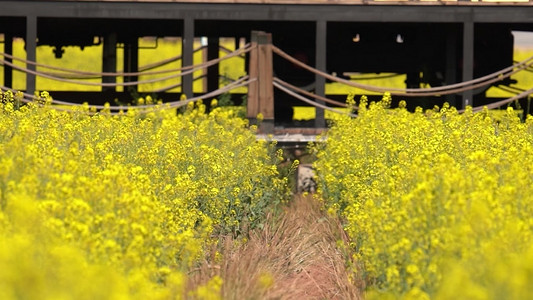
109,59
450,76
516,13
8,71
320,64
31,50
187,51
468,60
213,45
131,62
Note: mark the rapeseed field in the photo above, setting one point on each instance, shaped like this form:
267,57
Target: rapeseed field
103,206
437,204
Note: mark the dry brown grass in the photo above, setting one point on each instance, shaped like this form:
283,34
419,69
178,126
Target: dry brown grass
295,256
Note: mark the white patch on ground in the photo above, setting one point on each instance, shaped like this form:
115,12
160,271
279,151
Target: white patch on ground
306,180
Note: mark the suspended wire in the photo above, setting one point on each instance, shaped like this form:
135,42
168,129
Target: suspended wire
435,91
281,85
191,69
311,102
227,50
237,52
105,74
474,109
309,94
501,102
510,89
164,89
98,75
357,77
103,84
166,61
173,104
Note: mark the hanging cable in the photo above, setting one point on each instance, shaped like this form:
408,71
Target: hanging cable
435,91
309,94
311,102
238,83
502,102
190,70
237,52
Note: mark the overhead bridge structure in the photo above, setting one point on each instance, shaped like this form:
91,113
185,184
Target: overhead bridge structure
434,43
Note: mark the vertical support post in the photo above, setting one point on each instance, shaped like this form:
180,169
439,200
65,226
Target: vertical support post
213,44
187,45
109,59
261,92
8,71
131,62
468,60
320,63
451,63
31,50
266,88
252,107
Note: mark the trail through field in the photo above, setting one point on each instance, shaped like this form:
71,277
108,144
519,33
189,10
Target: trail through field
295,256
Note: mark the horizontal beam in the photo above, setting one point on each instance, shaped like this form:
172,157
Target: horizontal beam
274,12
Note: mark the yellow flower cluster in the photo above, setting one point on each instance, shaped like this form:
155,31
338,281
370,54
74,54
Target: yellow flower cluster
121,206
438,204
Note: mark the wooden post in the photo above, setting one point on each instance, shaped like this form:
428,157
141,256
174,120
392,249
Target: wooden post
266,89
261,92
252,107
31,50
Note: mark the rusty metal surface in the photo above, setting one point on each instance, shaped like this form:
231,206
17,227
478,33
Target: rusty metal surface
335,2
272,12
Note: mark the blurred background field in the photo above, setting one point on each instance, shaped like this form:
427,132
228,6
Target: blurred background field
153,50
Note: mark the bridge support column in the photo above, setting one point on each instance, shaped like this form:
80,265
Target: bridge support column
468,60
451,64
109,59
212,71
31,50
8,71
320,64
187,44
261,91
131,62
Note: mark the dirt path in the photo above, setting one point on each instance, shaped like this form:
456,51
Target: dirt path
295,257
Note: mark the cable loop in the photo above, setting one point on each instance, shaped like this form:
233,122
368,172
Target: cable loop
173,104
188,70
434,91
311,102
